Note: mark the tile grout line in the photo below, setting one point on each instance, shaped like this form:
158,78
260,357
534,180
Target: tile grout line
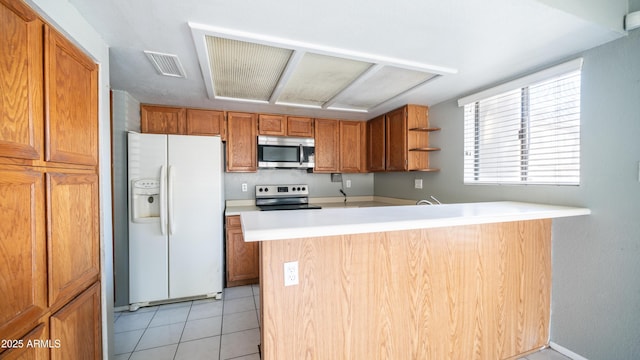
180,340
224,300
183,328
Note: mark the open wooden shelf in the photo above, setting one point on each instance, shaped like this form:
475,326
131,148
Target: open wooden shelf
425,149
426,170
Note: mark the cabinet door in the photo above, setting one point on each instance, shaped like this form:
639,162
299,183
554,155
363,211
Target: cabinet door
299,126
205,122
23,262
396,140
29,352
71,93
20,81
242,153
242,257
78,327
162,120
72,225
327,145
272,125
352,150
376,144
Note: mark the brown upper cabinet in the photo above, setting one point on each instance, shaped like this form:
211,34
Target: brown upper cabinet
21,71
272,125
205,122
299,126
327,146
406,145
340,146
71,90
353,157
282,125
376,144
396,140
156,119
162,119
241,142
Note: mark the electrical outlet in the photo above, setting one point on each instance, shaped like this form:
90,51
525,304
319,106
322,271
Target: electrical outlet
244,187
348,183
417,183
291,273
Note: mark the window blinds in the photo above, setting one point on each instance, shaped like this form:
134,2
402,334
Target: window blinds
526,135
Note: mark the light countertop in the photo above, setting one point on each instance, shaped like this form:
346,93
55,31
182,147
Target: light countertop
280,225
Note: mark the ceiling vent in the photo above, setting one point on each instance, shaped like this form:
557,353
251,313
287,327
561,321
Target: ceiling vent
248,67
166,64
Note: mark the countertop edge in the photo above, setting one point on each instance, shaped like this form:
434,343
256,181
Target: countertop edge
415,217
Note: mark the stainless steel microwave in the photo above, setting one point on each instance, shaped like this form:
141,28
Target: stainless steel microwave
284,152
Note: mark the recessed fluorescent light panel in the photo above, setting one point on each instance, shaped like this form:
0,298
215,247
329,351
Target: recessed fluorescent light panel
318,78
242,66
245,70
386,83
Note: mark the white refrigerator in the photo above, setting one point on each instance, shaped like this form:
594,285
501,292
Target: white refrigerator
175,217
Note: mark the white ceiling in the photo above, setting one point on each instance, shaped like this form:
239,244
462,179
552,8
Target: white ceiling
484,41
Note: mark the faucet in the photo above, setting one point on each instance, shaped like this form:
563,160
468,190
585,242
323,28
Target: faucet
427,202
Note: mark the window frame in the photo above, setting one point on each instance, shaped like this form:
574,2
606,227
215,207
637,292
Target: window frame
474,176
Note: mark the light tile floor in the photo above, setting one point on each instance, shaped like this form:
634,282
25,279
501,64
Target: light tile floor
206,329
202,329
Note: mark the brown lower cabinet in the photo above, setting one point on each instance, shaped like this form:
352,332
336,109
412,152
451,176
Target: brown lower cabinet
242,257
24,348
75,329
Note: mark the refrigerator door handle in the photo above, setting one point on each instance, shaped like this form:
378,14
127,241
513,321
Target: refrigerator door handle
163,206
301,154
172,222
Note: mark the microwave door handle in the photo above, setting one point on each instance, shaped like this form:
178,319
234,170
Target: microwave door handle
301,154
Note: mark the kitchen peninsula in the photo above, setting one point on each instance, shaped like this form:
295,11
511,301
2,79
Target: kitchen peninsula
456,281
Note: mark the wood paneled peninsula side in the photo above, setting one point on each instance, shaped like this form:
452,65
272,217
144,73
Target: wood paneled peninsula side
456,281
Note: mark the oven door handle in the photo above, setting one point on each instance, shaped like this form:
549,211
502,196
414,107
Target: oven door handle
301,154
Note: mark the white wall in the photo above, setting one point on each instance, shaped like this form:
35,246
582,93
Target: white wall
126,117
596,259
606,13
66,19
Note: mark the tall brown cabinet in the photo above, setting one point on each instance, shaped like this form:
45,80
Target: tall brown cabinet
49,233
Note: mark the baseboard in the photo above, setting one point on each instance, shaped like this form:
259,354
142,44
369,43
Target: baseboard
121,308
566,352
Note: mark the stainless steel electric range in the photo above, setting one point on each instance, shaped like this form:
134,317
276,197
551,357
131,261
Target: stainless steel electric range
283,197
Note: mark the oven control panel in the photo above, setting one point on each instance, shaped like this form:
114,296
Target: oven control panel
281,190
